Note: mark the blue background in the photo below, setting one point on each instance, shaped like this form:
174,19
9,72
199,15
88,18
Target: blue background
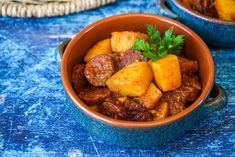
34,119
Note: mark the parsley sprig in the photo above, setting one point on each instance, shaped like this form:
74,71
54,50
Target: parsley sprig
158,47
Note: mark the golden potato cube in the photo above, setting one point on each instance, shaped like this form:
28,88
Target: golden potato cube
122,41
162,111
151,96
102,47
166,72
132,80
225,9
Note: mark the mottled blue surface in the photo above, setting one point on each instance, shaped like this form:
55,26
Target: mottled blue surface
34,118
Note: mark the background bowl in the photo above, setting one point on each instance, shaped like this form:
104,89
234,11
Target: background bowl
213,31
139,134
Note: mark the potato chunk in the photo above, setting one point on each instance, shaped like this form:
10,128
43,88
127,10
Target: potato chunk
162,111
166,72
151,96
132,80
102,47
122,41
225,9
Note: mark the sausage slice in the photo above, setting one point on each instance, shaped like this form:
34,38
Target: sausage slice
79,80
99,69
94,95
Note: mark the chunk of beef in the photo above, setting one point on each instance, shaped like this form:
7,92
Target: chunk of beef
113,108
136,111
131,56
175,101
187,65
117,61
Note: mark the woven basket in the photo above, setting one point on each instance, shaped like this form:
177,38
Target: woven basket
47,8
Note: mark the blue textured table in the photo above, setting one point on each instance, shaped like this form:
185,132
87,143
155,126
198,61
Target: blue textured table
34,119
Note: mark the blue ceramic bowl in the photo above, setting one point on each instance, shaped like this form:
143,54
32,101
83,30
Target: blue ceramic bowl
140,134
213,31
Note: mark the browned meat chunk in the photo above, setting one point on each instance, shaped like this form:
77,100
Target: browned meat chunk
134,104
99,69
117,61
136,111
188,92
132,110
187,65
141,116
79,80
175,101
206,7
190,88
113,108
131,56
94,95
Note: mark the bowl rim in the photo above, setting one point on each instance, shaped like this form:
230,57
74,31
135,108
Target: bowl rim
196,14
130,124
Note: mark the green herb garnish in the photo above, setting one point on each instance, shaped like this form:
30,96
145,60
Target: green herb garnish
159,47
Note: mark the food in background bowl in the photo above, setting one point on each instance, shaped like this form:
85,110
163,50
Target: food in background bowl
135,76
214,31
222,9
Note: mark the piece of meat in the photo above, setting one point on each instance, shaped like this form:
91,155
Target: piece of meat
134,104
206,7
99,69
131,56
136,111
94,95
117,61
141,116
113,108
190,88
187,65
175,101
79,80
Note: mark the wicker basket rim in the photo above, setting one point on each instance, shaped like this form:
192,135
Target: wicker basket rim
18,8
